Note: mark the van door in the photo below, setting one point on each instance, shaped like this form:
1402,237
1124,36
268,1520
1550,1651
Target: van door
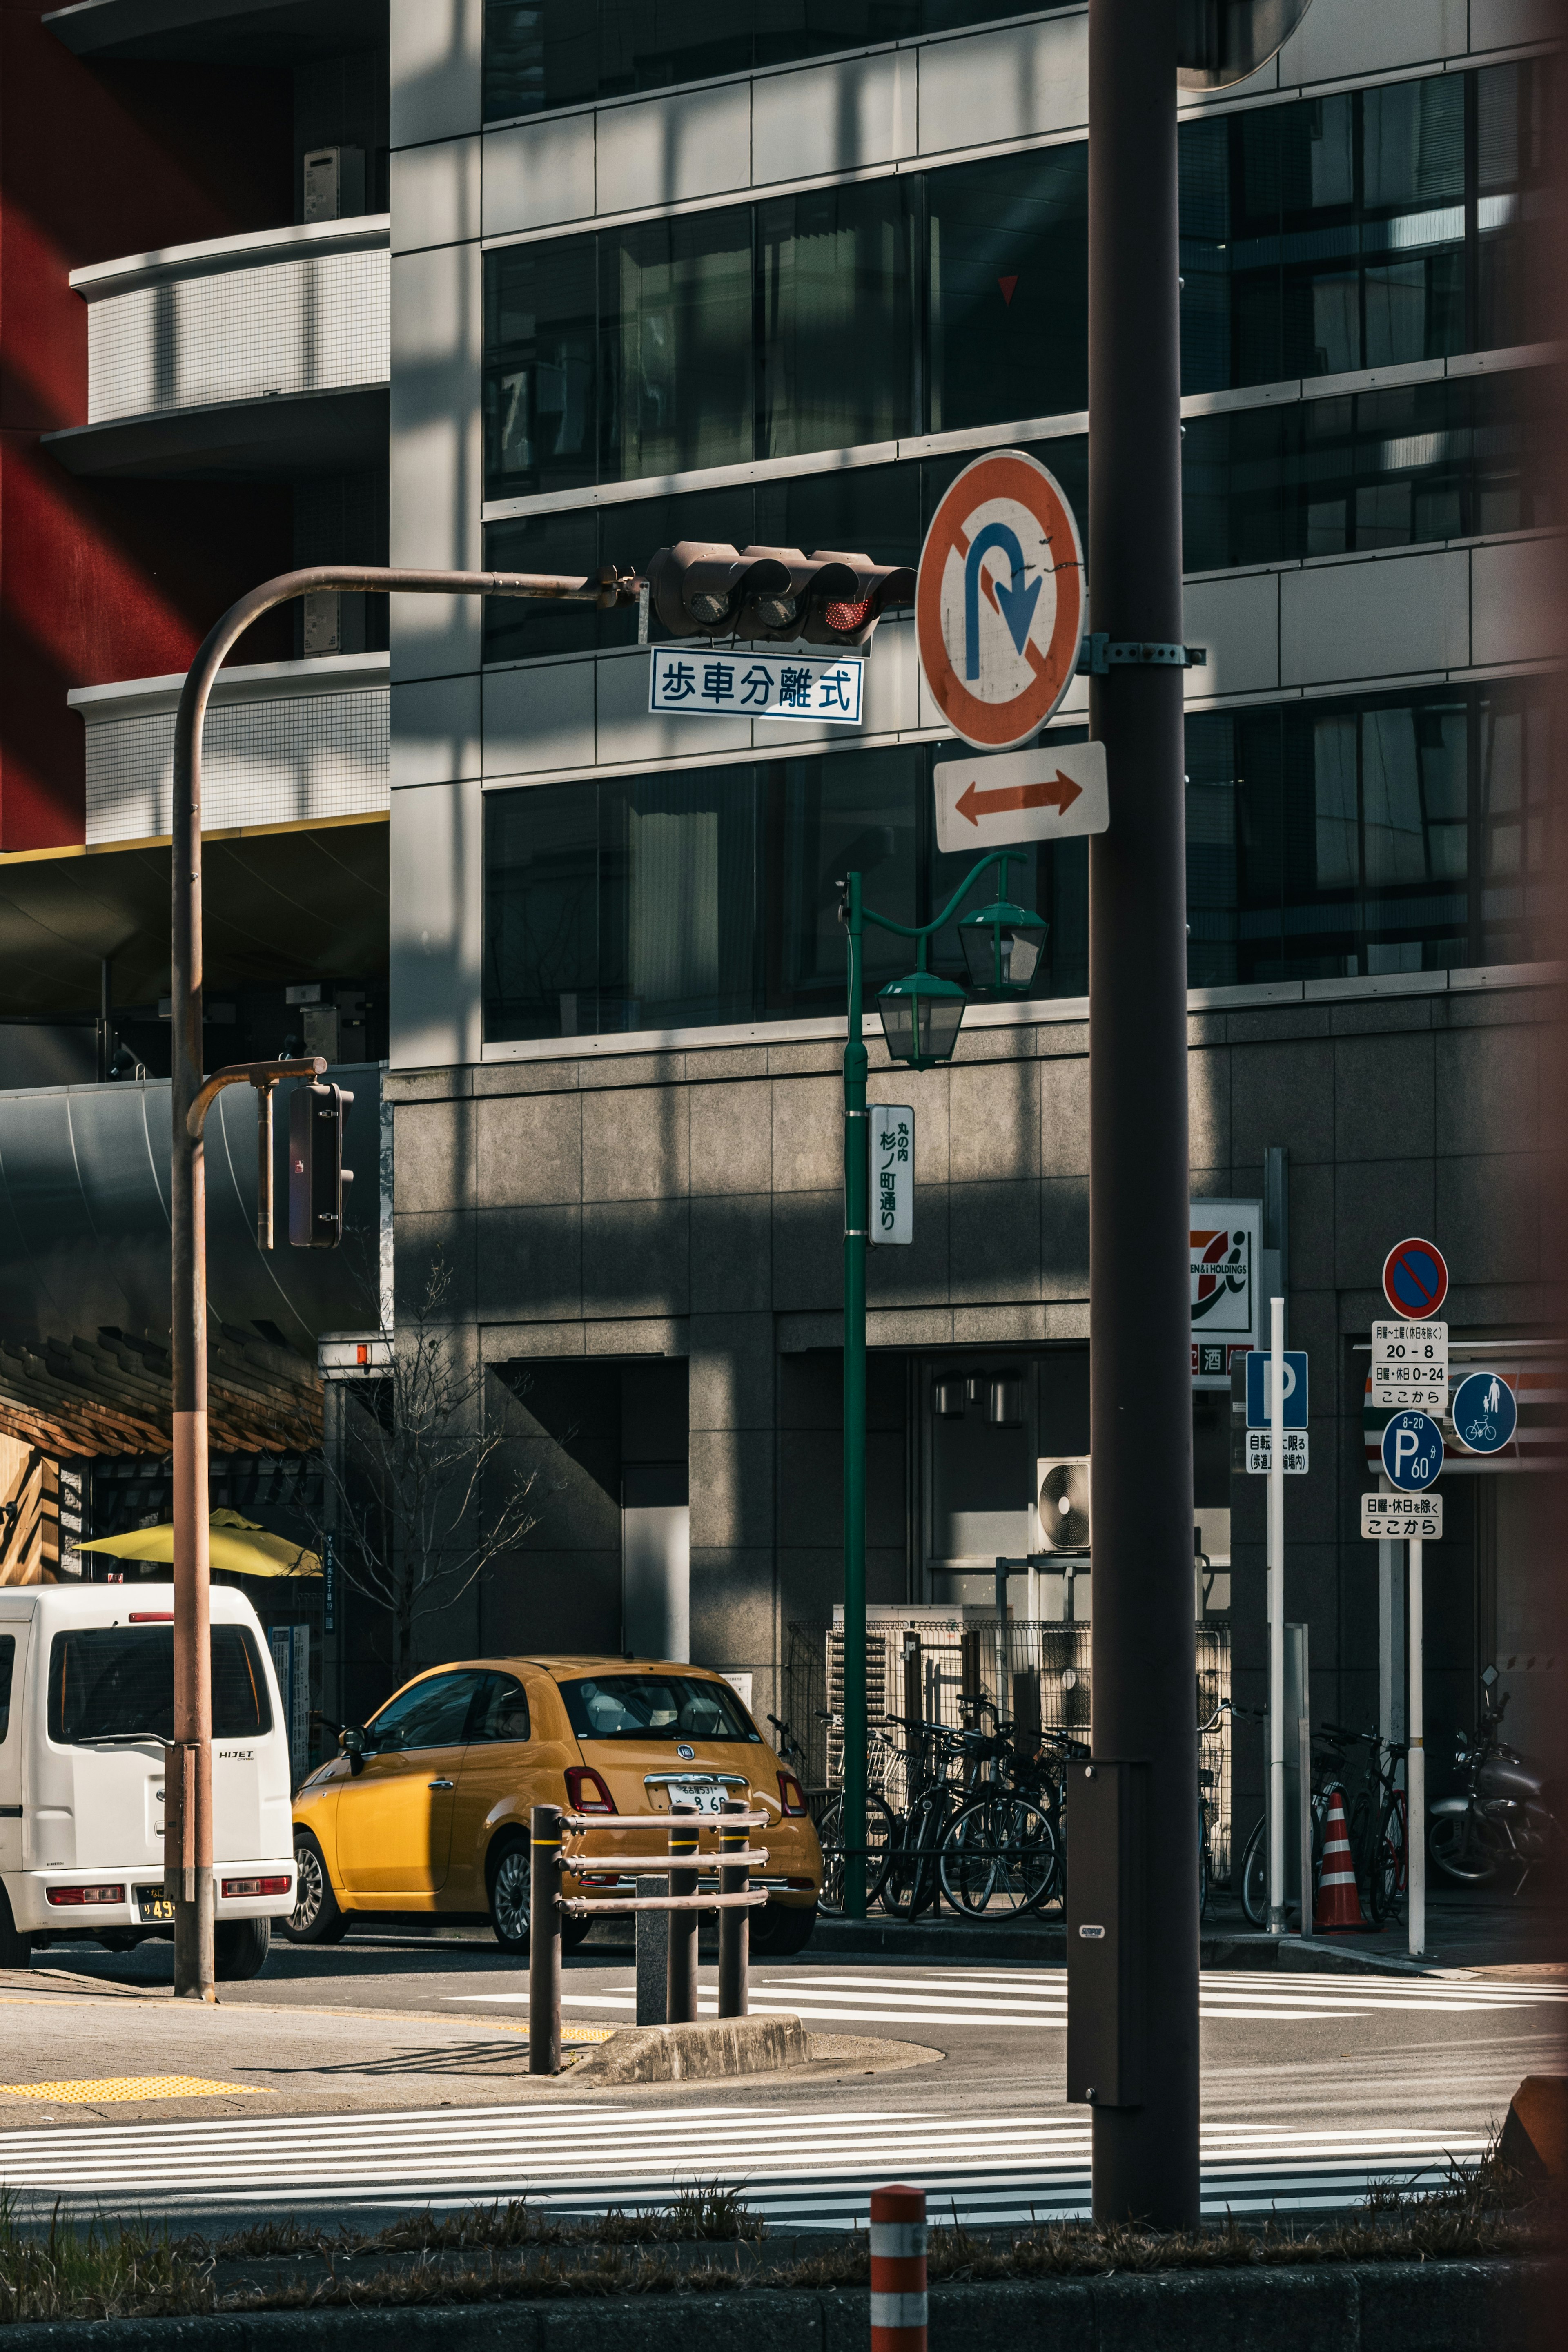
394,1815
13,1683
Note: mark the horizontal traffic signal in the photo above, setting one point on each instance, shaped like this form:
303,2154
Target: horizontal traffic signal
317,1117
708,588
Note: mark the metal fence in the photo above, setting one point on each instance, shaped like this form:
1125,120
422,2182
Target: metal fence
960,1667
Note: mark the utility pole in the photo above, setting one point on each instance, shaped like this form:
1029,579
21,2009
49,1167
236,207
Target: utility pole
1146,2157
189,1835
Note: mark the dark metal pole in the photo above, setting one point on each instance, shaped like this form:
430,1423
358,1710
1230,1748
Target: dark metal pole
734,1923
193,1662
681,1995
544,1941
1145,1708
857,1184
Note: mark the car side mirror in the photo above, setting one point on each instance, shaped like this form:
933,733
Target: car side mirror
353,1743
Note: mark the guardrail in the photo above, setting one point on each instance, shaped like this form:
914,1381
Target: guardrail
733,1899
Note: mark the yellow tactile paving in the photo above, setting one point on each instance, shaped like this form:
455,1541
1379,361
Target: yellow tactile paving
104,2089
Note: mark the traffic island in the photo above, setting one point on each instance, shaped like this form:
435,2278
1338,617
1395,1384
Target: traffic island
698,2052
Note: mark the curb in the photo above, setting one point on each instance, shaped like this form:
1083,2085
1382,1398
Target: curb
1434,2306
698,2052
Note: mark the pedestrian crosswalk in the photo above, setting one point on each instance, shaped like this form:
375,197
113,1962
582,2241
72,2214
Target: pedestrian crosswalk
811,2166
1038,1997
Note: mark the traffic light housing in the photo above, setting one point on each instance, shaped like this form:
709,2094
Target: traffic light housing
317,1114
706,588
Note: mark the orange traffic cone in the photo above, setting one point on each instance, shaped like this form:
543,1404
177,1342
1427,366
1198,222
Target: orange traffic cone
1339,1906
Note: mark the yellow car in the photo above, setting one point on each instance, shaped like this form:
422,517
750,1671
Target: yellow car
426,1808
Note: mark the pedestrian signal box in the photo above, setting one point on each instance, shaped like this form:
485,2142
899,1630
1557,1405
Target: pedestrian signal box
317,1117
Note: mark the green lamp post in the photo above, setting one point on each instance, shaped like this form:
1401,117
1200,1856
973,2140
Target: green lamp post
921,1017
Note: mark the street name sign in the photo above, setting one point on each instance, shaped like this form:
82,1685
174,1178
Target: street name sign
1410,1366
1486,1412
687,685
1399,1517
1415,1280
998,600
1046,795
890,1139
1261,1389
1412,1451
1260,1453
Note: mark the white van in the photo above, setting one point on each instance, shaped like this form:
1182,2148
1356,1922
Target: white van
87,1697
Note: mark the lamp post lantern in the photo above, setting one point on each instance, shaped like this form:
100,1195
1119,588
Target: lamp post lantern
921,1017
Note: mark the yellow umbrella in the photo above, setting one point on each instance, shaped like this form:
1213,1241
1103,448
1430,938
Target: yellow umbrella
235,1546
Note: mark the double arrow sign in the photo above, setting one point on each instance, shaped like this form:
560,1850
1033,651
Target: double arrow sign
1038,796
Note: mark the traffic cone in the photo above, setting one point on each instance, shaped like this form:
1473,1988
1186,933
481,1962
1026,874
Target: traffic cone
1339,1906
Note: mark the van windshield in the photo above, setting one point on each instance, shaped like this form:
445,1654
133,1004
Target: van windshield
654,1707
117,1682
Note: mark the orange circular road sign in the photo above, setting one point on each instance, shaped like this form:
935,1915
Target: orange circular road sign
998,604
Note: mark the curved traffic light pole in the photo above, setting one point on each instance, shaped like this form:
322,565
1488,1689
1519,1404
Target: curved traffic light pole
854,916
188,1844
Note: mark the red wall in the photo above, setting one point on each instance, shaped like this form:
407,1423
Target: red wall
111,580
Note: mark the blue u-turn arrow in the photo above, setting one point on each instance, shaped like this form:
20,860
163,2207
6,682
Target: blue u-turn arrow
1017,603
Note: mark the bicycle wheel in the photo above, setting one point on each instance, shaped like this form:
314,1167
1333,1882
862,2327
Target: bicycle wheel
1454,1847
1388,1874
879,1835
1001,1852
910,1881
1255,1875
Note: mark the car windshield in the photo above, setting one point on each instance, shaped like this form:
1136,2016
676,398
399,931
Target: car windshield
654,1707
117,1682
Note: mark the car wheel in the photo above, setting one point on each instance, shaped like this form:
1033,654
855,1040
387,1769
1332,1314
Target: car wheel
16,1951
316,1917
507,1878
779,1930
240,1948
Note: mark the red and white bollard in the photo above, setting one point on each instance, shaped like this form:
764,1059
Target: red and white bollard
898,2269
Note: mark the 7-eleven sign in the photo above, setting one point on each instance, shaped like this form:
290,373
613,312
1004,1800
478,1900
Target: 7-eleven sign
1223,1249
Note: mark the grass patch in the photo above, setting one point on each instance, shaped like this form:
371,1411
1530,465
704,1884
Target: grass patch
73,2270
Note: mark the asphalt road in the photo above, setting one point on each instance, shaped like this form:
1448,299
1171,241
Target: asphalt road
390,2073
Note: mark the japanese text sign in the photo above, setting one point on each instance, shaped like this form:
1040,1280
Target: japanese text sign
890,1140
755,686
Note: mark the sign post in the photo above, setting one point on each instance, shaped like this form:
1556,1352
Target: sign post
1276,1919
1412,1457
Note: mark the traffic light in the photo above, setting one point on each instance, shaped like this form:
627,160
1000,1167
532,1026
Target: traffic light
317,1116
704,588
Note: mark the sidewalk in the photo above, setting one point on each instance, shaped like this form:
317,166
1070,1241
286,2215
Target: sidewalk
1464,1930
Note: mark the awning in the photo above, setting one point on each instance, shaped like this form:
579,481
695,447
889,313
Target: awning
235,1546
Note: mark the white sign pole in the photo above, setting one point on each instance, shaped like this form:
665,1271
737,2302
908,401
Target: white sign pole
1416,1766
1276,1618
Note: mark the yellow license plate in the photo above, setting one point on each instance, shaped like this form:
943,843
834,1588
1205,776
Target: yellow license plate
153,1908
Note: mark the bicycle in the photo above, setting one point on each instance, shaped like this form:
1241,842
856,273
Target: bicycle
879,1832
1377,1825
1328,1757
1002,1846
913,1883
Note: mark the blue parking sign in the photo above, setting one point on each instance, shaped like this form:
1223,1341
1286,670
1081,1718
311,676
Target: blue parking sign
1412,1451
1260,1389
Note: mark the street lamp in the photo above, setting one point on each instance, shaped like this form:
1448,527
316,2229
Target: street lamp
921,1017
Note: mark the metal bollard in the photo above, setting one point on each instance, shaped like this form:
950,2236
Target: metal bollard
734,1925
652,1939
544,1941
898,2269
681,1998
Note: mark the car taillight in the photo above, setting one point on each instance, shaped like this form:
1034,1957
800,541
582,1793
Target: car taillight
87,1894
586,1792
234,1887
791,1796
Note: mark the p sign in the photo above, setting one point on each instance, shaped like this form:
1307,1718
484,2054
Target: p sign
1412,1451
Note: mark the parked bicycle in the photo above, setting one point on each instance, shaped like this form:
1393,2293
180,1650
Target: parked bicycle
1376,1825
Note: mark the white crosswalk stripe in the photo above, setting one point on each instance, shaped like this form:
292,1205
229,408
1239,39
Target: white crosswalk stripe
801,2168
1038,1997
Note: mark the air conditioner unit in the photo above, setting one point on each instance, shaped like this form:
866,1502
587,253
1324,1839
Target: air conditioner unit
1062,1492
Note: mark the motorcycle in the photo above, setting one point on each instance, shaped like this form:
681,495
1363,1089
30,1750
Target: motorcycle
1504,1819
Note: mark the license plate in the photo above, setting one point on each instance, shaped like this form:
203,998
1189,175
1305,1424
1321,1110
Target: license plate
706,1799
154,1906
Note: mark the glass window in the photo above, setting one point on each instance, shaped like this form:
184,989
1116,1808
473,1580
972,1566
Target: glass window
826,814
428,1714
675,342
682,851
1517,819
834,279
7,1668
542,915
539,389
1514,143
501,1708
654,1707
114,1683
1007,265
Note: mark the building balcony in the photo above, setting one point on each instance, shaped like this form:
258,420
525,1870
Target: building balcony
286,743
265,354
